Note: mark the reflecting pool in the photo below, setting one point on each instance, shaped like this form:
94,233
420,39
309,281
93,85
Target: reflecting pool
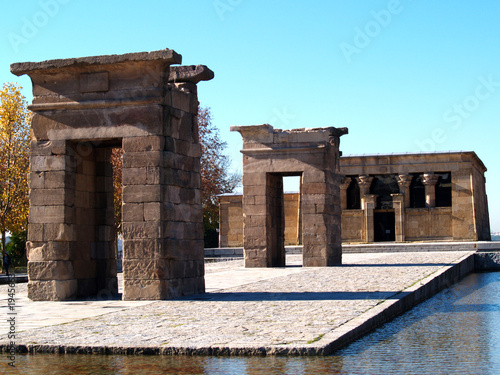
455,332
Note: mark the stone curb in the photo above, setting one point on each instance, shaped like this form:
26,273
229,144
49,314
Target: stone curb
20,278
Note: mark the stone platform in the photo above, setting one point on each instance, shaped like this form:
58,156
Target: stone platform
247,311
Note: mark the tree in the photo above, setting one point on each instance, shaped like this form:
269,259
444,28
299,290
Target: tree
215,176
15,120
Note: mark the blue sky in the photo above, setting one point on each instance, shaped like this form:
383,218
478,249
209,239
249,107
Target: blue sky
403,76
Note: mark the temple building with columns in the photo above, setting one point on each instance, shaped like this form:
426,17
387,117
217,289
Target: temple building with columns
404,197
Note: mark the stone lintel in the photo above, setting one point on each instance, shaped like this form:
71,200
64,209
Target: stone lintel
280,150
266,134
167,55
74,105
257,133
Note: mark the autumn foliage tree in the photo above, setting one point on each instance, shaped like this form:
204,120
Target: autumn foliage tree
15,120
216,178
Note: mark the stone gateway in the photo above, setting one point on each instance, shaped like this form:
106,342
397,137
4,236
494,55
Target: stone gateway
270,154
83,108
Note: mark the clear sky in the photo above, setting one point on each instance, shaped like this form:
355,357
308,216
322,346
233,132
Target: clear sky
403,76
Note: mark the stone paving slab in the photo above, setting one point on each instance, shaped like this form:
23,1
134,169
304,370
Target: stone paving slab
290,310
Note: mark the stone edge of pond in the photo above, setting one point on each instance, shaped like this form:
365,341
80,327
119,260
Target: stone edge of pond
399,303
352,330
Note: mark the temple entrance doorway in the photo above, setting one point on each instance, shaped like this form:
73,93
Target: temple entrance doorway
280,215
91,195
384,225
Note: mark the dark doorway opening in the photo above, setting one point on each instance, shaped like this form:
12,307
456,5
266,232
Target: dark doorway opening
92,190
353,195
384,226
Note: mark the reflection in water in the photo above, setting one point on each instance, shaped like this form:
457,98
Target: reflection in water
457,331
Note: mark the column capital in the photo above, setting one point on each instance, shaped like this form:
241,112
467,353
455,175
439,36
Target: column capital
404,180
429,179
364,180
345,182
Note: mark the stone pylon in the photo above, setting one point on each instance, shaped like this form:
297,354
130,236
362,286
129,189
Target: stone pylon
83,108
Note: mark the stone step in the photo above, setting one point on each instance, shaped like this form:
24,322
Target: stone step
388,247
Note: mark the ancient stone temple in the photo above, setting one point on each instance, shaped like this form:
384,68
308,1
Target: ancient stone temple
85,107
414,197
270,154
393,198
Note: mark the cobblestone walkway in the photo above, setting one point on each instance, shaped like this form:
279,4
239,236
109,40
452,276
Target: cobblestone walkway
245,310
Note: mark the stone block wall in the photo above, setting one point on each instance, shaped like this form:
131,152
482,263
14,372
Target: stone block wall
231,220
293,217
352,226
432,224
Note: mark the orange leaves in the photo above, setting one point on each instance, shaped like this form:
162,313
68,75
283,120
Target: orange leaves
15,120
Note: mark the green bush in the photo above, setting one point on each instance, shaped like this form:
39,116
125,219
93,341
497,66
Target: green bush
16,248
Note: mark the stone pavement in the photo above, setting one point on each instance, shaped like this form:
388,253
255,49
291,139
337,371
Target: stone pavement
290,310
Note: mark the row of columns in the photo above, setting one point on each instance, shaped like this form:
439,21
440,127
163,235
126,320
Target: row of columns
429,180
400,201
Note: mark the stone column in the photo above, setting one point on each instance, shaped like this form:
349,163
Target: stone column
364,183
398,202
51,228
404,182
369,202
429,180
462,205
255,219
344,185
321,221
